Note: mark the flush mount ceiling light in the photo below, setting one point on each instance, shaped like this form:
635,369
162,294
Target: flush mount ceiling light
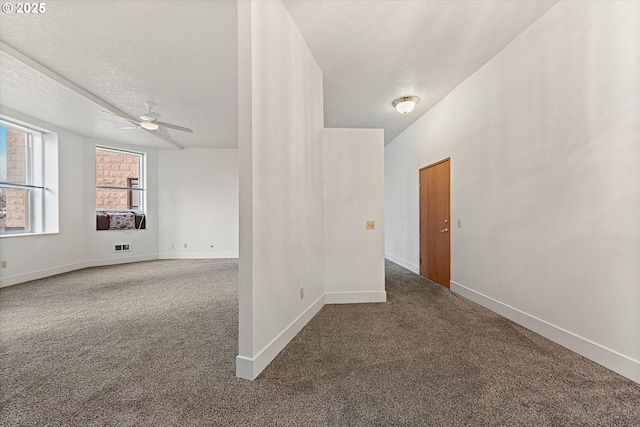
149,125
405,104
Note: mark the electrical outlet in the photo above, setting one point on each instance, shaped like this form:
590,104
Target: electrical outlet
301,293
3,264
371,225
172,246
185,246
459,223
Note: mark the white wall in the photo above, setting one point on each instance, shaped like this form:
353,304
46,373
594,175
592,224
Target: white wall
545,176
354,194
281,191
77,244
198,203
290,171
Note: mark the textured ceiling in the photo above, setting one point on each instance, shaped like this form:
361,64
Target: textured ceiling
183,56
180,54
372,52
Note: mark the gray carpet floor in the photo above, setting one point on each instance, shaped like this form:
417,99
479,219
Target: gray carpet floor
152,344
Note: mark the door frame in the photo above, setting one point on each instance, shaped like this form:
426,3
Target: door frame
448,159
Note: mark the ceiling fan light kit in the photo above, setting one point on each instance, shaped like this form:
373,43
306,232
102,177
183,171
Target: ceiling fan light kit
405,104
150,122
149,125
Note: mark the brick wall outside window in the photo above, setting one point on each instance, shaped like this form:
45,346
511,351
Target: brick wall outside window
114,169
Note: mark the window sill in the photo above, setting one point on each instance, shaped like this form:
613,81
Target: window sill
124,230
4,236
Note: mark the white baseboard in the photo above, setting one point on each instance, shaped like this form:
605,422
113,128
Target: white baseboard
40,274
611,359
402,263
120,260
197,255
46,272
355,297
250,367
244,368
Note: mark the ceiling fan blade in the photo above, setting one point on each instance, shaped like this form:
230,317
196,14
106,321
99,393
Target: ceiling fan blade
149,117
164,132
128,127
176,127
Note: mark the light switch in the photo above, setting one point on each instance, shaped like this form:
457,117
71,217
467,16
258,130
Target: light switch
371,225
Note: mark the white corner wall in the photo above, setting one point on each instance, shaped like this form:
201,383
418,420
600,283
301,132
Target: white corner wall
198,203
354,194
305,192
545,177
281,192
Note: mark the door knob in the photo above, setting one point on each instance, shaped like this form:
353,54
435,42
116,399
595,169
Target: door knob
444,230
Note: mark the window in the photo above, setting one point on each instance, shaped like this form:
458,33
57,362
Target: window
22,189
119,189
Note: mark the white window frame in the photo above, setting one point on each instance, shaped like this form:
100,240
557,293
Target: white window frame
34,179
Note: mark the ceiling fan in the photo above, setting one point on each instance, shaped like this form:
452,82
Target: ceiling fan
149,121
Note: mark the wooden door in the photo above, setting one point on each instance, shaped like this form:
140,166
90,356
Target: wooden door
435,224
